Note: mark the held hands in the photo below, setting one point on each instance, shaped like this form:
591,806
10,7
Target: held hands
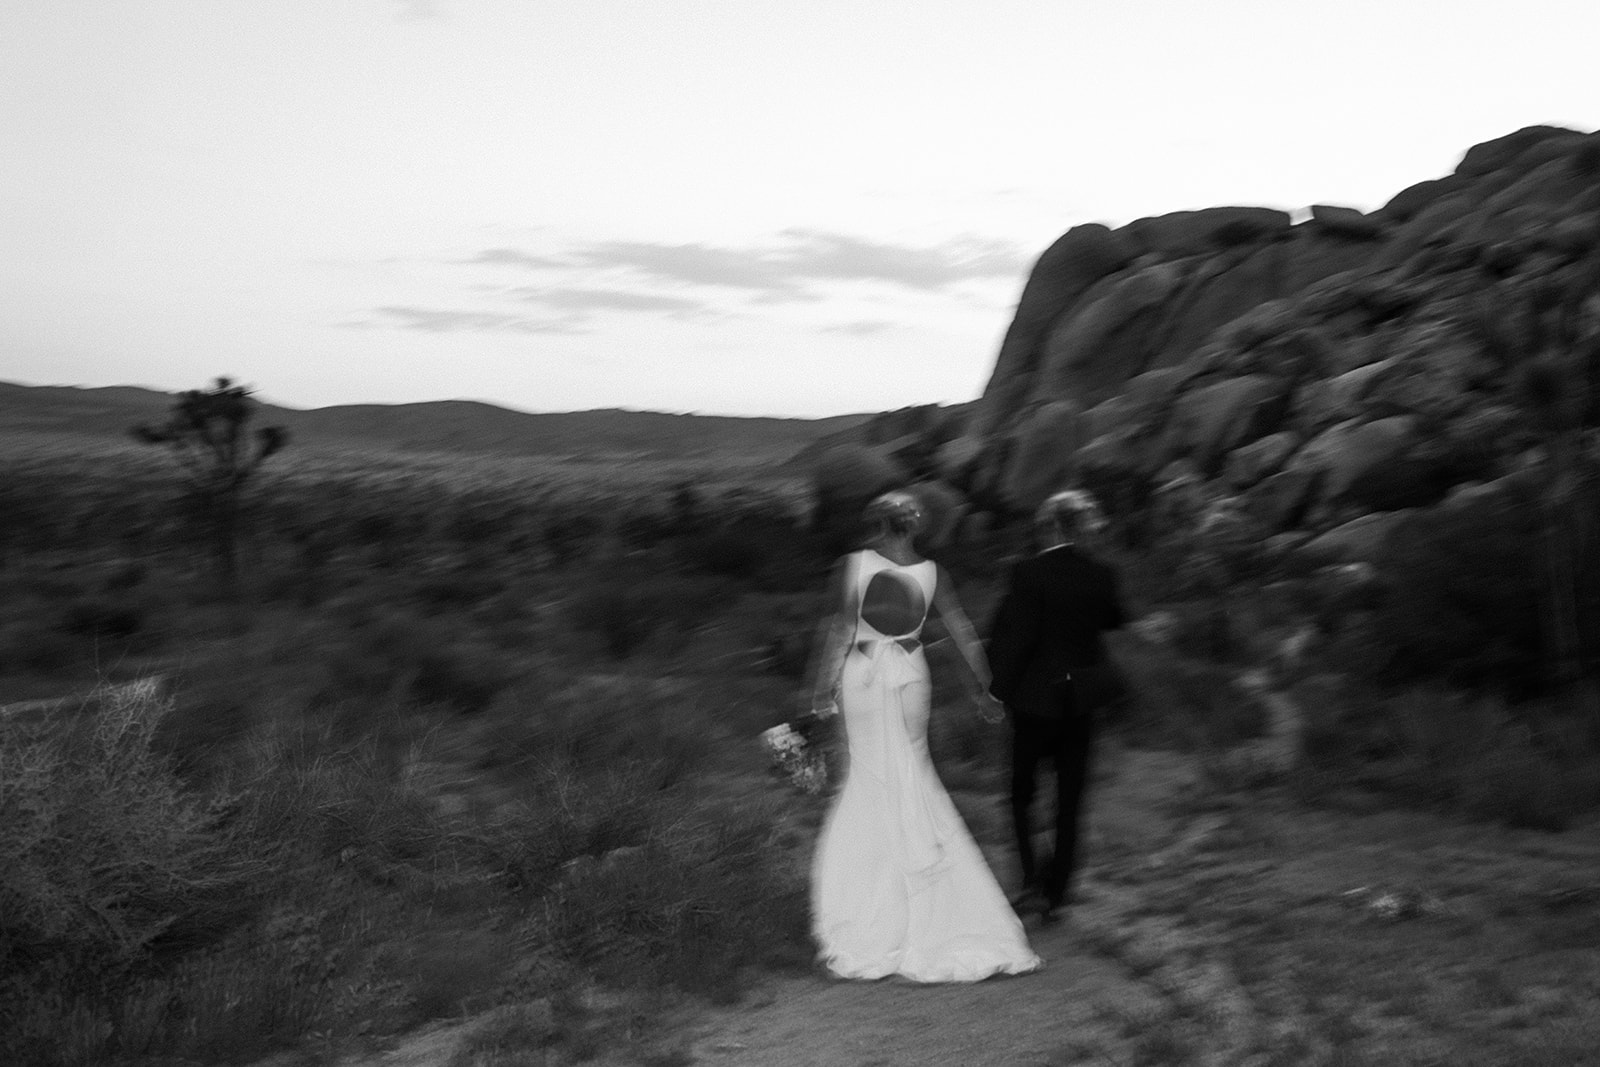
990,710
824,709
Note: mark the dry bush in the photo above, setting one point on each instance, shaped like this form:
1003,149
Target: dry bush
685,902
1527,766
108,856
108,852
631,602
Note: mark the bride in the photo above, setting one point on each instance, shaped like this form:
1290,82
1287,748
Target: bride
898,886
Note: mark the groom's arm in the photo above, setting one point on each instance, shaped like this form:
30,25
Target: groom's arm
1012,637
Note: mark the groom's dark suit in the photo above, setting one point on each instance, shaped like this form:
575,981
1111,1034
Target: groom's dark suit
1048,626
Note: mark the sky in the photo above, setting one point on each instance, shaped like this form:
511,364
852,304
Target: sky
721,206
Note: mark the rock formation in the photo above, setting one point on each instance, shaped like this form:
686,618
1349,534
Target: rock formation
1316,373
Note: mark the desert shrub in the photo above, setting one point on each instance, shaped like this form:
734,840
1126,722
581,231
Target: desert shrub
762,554
229,1005
1469,753
1344,729
484,518
1474,753
655,728
205,720
688,905
107,854
390,656
128,576
462,587
628,604
101,617
463,675
733,553
26,646
1461,600
1187,702
569,534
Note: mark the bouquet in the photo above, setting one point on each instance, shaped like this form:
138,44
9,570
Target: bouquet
795,754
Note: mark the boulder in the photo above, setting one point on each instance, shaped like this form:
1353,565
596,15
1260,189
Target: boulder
851,471
1259,459
1182,233
1080,360
1078,259
1411,480
1350,449
942,508
1107,416
1575,235
1433,373
1280,501
1500,152
845,478
1043,455
1210,421
1152,391
1243,280
1315,257
1434,225
955,459
1359,540
1414,199
1118,456
1333,400
1346,222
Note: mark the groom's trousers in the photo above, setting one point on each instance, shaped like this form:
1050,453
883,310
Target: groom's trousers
1066,743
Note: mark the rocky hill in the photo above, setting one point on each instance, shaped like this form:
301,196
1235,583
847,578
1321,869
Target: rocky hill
1347,368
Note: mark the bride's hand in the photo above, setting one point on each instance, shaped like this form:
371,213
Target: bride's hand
825,711
990,710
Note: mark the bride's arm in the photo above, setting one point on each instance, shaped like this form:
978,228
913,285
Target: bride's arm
961,632
832,642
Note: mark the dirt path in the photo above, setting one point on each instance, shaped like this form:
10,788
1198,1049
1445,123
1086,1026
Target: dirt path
1080,1001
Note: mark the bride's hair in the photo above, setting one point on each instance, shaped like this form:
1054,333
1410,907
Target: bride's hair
896,513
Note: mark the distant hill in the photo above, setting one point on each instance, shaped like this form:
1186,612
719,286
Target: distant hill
462,426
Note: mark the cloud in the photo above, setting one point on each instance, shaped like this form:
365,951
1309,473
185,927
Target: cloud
860,328
696,264
415,10
571,289
787,266
514,257
431,320
581,301
820,254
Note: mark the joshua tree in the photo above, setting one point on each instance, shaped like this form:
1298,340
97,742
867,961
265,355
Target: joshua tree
207,432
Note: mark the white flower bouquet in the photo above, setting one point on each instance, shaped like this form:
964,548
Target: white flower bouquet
795,755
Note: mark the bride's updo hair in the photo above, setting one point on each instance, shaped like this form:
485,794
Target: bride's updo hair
895,513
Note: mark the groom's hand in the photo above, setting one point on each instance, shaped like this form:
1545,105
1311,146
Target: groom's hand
989,709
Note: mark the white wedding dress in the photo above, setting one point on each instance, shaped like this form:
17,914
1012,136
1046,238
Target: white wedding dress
898,885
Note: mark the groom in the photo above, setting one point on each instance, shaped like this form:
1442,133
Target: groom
1048,661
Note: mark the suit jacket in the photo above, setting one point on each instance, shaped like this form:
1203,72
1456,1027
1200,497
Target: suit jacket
1048,628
